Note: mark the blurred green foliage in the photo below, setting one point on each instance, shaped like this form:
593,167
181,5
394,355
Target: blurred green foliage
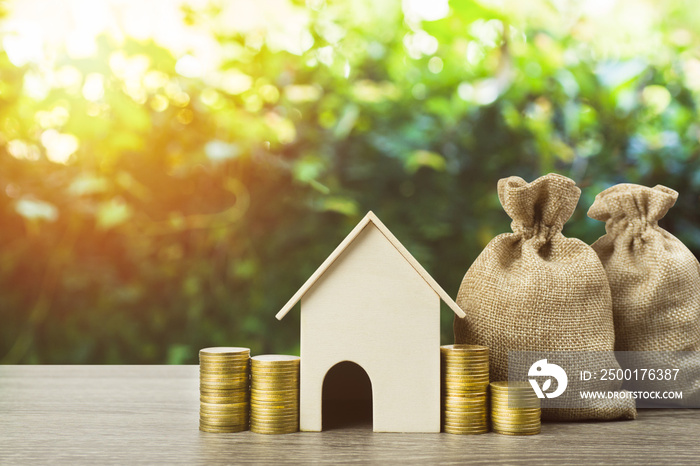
191,211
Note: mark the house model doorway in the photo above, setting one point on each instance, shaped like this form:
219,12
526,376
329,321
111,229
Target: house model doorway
347,397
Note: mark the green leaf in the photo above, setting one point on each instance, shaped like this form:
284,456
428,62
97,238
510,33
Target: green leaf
424,158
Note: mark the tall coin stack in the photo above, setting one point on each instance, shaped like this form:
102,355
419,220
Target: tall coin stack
224,389
465,380
274,399
515,409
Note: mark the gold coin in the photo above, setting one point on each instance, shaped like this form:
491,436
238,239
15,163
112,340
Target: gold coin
274,371
513,405
275,394
224,351
222,387
451,399
464,373
515,427
222,430
275,421
213,424
472,423
480,405
455,400
457,431
292,407
232,378
223,364
463,370
459,367
265,374
451,387
274,386
514,397
223,412
506,385
274,401
467,358
505,407
465,347
517,412
289,430
276,358
462,407
223,400
223,379
516,422
280,424
291,383
267,410
220,392
224,375
280,429
515,433
466,428
466,377
517,415
512,428
218,419
223,405
241,371
232,413
469,395
273,377
463,414
454,416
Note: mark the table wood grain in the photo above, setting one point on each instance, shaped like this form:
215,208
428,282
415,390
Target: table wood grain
149,415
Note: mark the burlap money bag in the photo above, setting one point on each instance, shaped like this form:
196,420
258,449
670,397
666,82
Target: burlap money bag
536,290
654,278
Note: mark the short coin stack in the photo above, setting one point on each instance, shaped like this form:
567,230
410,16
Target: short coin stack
274,401
465,380
515,409
224,389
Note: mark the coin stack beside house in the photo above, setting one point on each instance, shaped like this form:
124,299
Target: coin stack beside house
515,409
224,389
465,380
274,402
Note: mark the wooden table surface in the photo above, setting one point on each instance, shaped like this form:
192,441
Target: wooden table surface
149,414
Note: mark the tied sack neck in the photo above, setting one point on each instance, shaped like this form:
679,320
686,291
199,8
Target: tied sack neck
632,209
538,209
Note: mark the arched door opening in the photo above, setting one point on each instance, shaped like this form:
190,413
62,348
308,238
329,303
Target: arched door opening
347,397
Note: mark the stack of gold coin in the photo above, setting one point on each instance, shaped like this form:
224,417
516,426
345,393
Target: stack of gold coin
274,396
515,409
224,389
465,380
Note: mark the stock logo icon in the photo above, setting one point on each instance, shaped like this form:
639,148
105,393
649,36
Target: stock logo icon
542,368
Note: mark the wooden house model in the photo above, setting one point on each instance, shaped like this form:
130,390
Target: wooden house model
373,304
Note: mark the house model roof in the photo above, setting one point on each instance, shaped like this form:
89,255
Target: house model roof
370,218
